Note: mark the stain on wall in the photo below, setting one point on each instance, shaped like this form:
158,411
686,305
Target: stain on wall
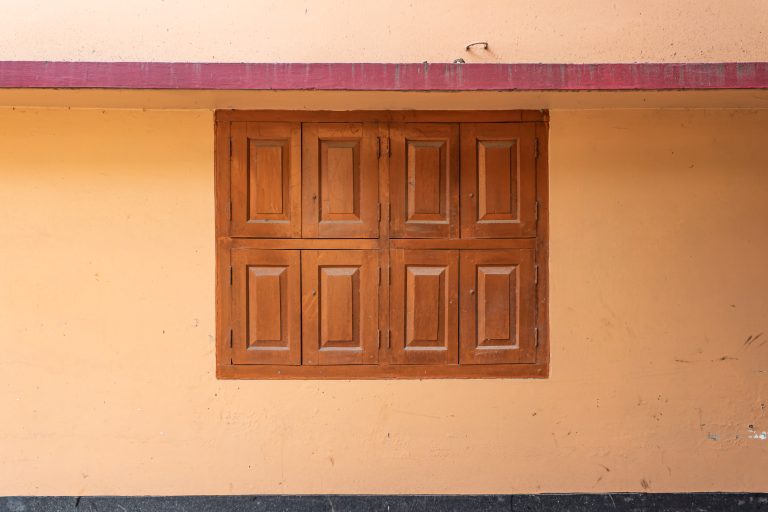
659,376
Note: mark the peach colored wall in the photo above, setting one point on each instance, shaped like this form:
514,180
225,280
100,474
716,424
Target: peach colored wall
658,267
385,31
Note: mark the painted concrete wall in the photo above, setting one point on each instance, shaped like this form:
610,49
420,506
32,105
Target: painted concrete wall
385,31
659,368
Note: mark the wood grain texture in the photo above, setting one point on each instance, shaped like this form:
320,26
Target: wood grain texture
416,321
266,319
498,307
383,116
463,243
340,180
223,302
542,245
305,243
339,307
222,174
424,307
375,372
424,180
498,180
266,179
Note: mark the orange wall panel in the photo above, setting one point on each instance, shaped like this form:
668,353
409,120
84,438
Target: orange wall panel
395,31
657,270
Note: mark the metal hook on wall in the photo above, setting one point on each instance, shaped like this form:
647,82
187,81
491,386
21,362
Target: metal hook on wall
484,43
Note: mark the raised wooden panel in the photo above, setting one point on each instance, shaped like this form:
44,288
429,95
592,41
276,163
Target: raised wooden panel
340,180
266,180
424,179
340,307
424,304
267,190
498,180
339,301
266,308
498,305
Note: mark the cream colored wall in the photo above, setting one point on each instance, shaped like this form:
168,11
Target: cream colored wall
385,31
658,268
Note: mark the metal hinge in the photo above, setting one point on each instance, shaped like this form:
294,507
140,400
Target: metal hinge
378,147
537,210
379,212
378,337
231,335
379,276
230,275
536,337
230,148
536,278
536,148
389,276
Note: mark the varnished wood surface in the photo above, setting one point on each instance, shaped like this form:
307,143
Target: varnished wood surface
373,372
498,307
464,243
498,180
424,307
367,299
386,116
340,180
340,307
424,180
266,179
266,307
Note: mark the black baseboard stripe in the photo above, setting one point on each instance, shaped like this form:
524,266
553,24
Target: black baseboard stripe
621,502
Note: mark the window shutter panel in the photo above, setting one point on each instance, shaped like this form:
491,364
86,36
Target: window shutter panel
425,306
266,307
498,307
266,180
498,180
424,180
341,307
340,172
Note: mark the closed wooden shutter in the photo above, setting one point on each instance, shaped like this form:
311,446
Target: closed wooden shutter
425,306
266,305
498,306
340,180
498,180
266,180
381,244
340,313
424,180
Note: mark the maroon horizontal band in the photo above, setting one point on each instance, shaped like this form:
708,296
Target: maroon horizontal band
383,77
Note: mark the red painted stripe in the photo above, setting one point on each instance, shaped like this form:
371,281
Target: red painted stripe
383,77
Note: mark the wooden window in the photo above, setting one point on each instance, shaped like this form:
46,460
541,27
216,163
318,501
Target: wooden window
381,244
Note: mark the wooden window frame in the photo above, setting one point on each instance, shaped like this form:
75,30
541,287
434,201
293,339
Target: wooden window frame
384,368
